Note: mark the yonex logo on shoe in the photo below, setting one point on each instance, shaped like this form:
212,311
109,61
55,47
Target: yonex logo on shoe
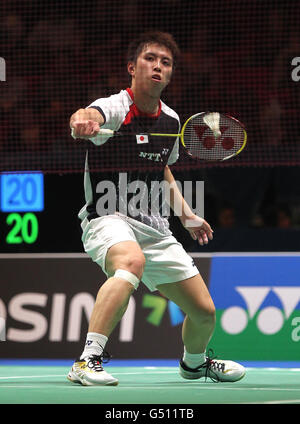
270,319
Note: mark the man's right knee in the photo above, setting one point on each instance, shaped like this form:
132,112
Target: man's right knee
129,267
125,255
134,264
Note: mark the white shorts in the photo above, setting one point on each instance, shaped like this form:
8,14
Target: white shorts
166,259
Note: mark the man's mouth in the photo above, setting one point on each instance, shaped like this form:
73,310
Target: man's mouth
156,77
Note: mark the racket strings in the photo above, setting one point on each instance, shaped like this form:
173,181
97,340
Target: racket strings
201,142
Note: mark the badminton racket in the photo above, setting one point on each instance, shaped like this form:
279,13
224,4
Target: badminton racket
209,136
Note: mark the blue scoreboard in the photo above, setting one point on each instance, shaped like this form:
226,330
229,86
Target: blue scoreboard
21,198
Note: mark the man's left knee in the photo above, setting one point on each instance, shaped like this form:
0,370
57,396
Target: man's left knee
206,314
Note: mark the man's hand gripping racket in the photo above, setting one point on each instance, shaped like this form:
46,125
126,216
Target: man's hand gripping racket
85,129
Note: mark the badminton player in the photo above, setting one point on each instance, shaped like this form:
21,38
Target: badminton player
141,248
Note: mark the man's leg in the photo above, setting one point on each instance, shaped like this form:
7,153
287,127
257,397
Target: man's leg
193,297
113,296
124,263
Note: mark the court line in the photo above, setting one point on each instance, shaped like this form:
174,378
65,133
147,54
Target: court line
31,376
156,386
220,387
63,375
210,386
175,371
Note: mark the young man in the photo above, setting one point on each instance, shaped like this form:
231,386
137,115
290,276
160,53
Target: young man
133,247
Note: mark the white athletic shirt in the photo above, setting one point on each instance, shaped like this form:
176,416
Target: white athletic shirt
137,160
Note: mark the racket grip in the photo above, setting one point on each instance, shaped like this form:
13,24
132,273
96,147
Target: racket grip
105,131
102,131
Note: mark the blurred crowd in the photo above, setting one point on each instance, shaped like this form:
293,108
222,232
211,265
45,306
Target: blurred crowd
236,58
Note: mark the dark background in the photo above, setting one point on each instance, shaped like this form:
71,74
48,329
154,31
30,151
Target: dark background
59,226
236,58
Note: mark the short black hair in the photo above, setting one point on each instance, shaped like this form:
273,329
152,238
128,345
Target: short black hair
152,37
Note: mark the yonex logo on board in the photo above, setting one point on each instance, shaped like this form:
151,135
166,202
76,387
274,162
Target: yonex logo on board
269,319
257,299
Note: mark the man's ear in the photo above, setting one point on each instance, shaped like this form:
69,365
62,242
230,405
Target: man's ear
130,68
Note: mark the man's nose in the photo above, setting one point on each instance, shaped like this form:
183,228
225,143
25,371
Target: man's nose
157,65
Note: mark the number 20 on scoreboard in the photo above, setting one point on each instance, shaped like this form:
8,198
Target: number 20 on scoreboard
21,195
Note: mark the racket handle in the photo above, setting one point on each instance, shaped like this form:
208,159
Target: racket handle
106,131
102,131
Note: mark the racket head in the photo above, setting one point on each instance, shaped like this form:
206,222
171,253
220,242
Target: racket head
200,141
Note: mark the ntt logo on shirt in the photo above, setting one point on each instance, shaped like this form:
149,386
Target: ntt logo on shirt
156,157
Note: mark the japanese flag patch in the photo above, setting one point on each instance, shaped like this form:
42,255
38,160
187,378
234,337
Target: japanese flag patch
142,139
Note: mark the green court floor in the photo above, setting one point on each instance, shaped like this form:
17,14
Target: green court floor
147,385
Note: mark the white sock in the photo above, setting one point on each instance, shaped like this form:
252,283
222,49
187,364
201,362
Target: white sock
94,345
193,360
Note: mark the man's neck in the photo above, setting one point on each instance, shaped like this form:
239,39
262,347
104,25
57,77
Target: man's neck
146,103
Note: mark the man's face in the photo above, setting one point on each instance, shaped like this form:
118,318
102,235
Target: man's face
153,69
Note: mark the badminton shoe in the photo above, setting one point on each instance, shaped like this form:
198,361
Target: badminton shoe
215,369
89,372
